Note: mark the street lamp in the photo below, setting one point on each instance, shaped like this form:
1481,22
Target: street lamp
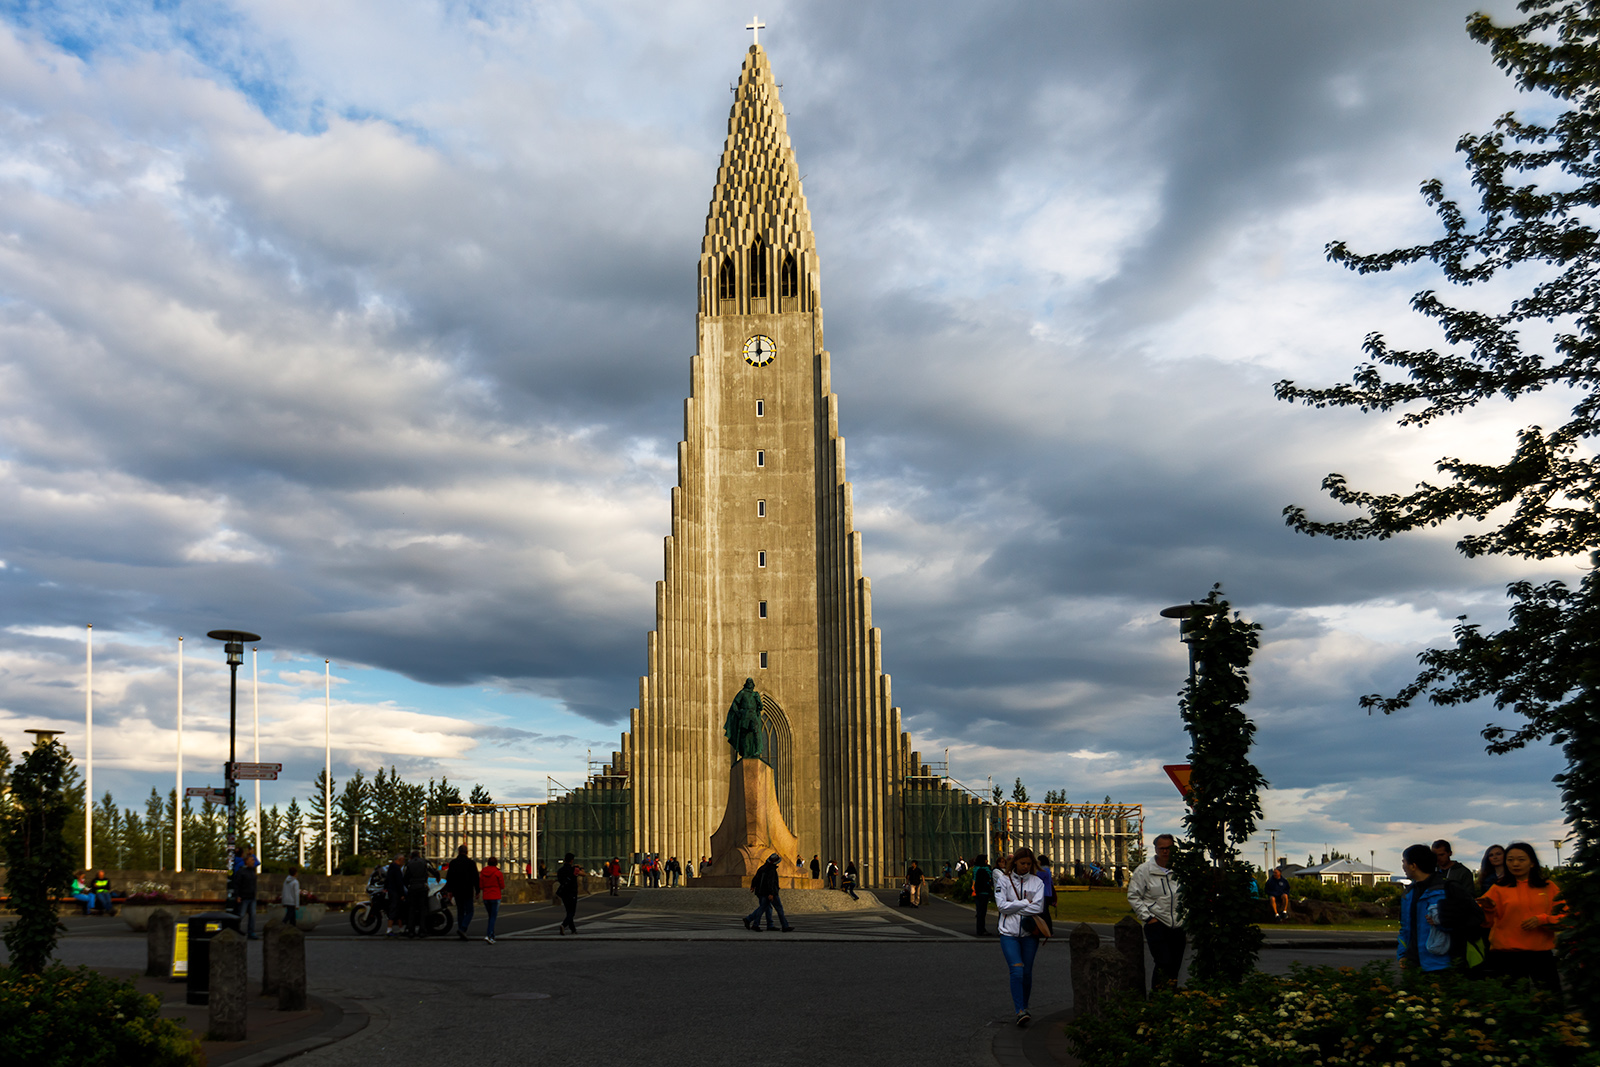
44,737
233,648
1190,615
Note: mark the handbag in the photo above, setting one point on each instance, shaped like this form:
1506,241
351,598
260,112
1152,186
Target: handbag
1037,926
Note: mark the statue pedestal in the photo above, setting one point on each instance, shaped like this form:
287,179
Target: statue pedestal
752,829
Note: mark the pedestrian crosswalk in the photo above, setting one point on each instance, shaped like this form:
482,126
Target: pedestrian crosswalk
629,924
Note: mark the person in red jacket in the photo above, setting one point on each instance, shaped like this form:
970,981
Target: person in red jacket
491,883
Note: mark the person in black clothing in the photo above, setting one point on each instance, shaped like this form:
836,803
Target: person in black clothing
417,895
982,891
764,884
849,884
567,890
1278,894
914,884
461,879
244,890
816,867
394,891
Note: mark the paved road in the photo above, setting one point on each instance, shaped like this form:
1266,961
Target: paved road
914,986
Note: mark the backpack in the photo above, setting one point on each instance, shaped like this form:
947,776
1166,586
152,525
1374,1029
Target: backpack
982,882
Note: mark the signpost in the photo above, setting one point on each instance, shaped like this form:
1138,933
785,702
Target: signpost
260,772
205,792
1179,773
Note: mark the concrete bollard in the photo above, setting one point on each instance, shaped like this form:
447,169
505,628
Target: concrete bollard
269,956
1128,936
1106,979
291,969
1084,943
229,976
158,944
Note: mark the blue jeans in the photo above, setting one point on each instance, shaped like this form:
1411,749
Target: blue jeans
86,899
248,908
464,911
1019,953
765,908
492,909
103,902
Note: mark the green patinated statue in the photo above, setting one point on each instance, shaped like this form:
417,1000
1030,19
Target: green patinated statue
743,725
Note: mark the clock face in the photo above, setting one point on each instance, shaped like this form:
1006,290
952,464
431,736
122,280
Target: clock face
759,350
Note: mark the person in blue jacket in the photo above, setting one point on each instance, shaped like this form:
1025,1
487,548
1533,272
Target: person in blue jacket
1436,916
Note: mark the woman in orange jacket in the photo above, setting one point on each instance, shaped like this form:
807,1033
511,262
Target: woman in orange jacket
1523,909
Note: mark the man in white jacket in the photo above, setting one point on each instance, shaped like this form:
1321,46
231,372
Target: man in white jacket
1154,896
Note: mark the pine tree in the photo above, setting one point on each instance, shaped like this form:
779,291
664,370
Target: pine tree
480,795
1537,184
350,811
1019,792
294,822
316,817
159,828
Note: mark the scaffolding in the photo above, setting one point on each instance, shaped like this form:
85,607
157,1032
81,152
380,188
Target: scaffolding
509,832
1076,837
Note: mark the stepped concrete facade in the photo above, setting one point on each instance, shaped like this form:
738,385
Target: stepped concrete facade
763,575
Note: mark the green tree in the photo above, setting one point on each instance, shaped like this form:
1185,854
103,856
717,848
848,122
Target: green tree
442,796
480,795
294,822
1537,188
1224,797
350,811
316,815
1055,796
159,826
1019,792
33,833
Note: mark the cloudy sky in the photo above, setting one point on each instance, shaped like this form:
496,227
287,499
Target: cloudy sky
368,328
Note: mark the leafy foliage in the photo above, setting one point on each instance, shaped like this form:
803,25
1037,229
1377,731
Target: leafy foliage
1337,1018
32,831
1219,910
1543,665
77,1018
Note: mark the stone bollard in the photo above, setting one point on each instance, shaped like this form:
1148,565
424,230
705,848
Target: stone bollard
1128,936
158,944
291,969
229,976
1084,942
269,955
1106,979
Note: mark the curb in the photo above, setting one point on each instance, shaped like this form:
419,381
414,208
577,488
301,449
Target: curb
341,1019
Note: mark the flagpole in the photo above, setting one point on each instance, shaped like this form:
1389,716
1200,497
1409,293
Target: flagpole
88,736
177,796
255,685
327,768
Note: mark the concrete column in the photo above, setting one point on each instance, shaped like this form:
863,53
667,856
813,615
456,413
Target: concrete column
229,975
269,955
1128,936
1083,942
291,969
158,944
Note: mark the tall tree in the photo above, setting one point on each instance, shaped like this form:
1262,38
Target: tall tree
316,816
1224,797
5,769
1537,187
442,796
33,834
1019,792
350,810
480,795
294,824
159,826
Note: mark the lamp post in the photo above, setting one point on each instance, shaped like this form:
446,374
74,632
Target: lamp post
233,648
1189,615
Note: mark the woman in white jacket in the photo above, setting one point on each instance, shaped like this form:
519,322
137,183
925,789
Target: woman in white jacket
1019,893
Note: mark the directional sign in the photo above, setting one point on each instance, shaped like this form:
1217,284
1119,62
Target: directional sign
207,793
263,772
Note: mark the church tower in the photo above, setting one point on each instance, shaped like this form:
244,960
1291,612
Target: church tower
763,572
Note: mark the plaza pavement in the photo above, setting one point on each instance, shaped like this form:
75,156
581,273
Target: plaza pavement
642,978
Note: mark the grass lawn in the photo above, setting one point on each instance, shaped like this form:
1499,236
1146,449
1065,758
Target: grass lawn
1110,905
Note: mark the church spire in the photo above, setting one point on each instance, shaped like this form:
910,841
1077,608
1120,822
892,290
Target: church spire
758,236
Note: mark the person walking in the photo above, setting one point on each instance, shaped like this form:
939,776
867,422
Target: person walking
1448,868
1047,875
1153,894
832,875
1493,868
1523,909
290,896
674,871
567,890
416,895
816,867
914,881
394,892
613,870
1432,907
848,884
244,890
764,884
462,882
1278,894
1019,894
982,891
492,884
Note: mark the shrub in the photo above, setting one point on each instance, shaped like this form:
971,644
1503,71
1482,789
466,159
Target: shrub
1335,1018
1339,893
149,893
77,1018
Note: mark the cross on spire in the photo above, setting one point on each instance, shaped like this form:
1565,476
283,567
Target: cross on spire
755,26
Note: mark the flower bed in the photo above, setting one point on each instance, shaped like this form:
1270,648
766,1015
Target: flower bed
71,1018
1333,1018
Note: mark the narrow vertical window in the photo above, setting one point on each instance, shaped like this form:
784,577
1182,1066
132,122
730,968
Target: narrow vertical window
761,409
761,559
790,284
758,269
725,284
763,609
761,458
761,509
763,661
